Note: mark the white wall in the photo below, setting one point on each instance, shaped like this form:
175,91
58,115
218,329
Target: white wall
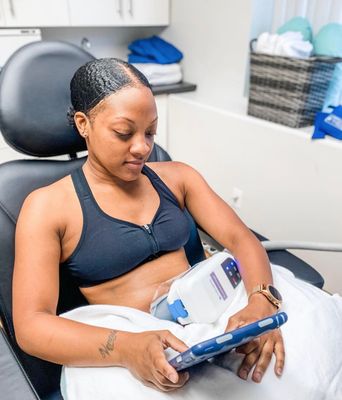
292,186
214,38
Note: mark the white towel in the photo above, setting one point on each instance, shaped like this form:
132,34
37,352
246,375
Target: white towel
289,44
312,335
161,74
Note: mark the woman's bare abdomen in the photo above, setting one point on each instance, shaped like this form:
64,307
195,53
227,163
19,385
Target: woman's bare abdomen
137,287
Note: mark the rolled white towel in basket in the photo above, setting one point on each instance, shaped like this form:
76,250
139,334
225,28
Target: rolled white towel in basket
289,44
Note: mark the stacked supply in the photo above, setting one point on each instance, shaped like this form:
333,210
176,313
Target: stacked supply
157,59
290,73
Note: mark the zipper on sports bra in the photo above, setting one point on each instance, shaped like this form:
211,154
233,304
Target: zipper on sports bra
148,229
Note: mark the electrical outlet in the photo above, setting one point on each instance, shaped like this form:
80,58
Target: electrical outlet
237,197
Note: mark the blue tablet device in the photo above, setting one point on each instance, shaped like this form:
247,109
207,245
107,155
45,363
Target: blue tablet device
227,341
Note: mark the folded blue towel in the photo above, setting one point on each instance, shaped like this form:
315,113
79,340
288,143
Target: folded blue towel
153,50
328,124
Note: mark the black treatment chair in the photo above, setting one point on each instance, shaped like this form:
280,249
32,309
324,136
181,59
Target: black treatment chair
34,99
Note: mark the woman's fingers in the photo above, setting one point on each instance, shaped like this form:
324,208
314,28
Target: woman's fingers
164,383
161,364
248,363
260,357
170,340
166,378
263,361
248,347
279,351
147,361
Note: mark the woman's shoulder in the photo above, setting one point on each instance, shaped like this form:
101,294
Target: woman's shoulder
175,170
179,176
176,175
50,198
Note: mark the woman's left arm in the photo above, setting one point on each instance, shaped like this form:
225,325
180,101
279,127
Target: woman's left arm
217,218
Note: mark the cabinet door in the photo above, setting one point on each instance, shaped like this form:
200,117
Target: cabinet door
36,13
119,12
146,12
96,13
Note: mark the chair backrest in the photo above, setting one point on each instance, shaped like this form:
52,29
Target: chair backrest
34,99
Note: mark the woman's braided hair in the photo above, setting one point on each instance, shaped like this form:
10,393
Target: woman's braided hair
97,79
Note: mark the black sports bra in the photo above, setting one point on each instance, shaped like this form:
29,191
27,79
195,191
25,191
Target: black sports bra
110,247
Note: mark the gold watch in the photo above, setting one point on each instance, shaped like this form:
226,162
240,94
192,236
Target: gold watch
270,292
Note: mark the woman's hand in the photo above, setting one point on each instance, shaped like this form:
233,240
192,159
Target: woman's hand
143,354
258,352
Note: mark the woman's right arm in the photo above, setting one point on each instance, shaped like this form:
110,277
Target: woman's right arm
41,333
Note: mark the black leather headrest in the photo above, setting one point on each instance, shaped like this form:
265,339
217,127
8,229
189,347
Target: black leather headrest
35,98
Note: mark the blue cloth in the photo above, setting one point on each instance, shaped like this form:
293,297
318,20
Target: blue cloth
297,24
333,97
110,247
153,50
328,124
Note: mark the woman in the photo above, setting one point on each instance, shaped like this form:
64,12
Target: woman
118,222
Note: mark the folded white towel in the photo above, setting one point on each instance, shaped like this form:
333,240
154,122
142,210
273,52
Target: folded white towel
312,336
289,44
158,69
161,74
166,80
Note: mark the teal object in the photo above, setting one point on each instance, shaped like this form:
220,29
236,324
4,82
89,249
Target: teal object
297,24
328,42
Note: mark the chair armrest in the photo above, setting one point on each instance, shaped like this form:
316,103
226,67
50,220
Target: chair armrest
298,267
14,383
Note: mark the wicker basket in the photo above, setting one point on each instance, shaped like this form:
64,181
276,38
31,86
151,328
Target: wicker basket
286,90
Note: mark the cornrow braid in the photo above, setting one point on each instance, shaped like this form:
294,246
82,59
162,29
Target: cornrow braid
97,79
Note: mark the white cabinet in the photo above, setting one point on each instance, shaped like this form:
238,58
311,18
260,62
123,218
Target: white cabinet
147,12
34,13
2,15
119,12
99,13
44,13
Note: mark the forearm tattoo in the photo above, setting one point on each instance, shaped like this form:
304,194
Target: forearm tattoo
105,349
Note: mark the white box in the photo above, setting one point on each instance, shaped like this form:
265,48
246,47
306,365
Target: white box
12,39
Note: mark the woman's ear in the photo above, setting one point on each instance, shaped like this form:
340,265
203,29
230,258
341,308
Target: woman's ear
82,123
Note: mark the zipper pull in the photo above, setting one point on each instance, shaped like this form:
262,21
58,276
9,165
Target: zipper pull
146,226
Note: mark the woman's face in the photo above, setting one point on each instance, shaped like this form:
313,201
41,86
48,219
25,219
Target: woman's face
120,135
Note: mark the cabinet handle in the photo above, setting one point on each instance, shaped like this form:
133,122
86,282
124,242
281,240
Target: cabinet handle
12,9
130,7
119,7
